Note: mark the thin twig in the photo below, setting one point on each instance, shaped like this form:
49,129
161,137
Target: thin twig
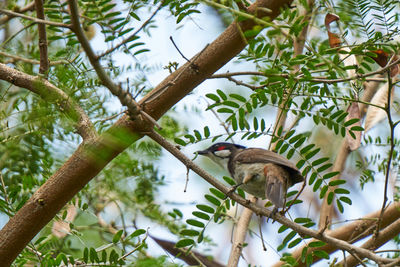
41,21
124,97
391,151
179,51
28,7
259,210
131,37
32,61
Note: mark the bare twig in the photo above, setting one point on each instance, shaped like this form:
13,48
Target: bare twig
373,243
124,97
132,37
259,210
32,61
28,7
44,60
391,151
41,21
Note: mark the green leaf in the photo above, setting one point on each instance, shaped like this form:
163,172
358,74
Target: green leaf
205,208
306,148
302,220
330,175
316,244
213,97
231,104
330,197
282,229
336,182
180,141
350,122
294,242
117,236
93,255
238,97
195,223
323,191
206,132
317,185
212,199
197,134
312,178
224,110
324,167
217,193
289,237
189,232
346,200
222,94
321,254
136,233
319,161
184,243
201,215
229,180
342,191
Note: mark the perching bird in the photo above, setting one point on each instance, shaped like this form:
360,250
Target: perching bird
257,171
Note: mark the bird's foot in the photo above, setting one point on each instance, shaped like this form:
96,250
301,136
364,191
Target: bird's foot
272,214
232,189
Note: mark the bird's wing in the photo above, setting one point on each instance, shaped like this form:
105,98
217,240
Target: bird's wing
251,155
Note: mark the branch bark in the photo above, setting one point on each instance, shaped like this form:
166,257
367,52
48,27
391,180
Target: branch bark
90,158
352,232
259,210
44,59
51,93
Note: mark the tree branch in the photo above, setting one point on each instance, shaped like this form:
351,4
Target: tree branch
124,97
28,7
40,21
44,59
90,158
51,93
259,210
352,232
373,243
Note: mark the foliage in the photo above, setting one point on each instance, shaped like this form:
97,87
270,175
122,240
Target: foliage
313,89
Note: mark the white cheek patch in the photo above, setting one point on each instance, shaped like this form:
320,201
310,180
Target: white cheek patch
222,153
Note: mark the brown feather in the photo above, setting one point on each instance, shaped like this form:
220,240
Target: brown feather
251,155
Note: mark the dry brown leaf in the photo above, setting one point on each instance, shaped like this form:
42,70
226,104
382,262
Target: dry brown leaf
354,113
375,114
334,39
382,59
61,228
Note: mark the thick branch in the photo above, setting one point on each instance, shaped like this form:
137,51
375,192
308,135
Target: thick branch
50,93
373,243
83,165
240,235
259,210
352,232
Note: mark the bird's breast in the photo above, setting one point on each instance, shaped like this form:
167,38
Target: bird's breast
256,185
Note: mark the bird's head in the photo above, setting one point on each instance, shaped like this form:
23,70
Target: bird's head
221,152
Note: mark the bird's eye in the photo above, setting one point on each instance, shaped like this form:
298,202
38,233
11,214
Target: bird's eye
221,148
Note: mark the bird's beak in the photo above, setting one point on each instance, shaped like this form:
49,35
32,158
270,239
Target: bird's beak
202,152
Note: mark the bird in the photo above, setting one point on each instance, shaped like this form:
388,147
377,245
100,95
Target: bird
259,172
